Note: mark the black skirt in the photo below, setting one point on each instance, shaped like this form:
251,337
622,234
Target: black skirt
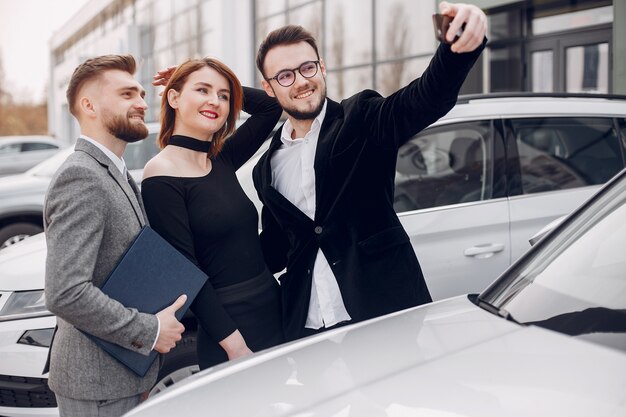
254,305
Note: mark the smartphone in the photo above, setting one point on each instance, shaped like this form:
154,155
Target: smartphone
441,23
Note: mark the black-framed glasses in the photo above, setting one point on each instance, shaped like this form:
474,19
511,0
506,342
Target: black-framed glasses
287,77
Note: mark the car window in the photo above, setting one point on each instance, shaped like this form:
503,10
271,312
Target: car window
563,153
37,146
9,148
444,165
137,154
576,283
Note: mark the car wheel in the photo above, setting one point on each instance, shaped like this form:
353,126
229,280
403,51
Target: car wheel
178,364
13,233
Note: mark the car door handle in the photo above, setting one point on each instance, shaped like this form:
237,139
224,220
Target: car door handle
486,250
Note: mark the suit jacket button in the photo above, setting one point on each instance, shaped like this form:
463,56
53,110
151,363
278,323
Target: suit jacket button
318,230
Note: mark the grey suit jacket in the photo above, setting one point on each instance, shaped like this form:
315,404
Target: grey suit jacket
91,215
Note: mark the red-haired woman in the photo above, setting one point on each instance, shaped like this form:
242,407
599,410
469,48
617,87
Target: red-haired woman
193,199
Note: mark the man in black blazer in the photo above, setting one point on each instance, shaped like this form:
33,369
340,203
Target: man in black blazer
327,180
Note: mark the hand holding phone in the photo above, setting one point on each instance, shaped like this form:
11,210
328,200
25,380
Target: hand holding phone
441,23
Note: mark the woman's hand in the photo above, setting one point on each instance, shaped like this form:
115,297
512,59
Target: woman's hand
163,76
235,346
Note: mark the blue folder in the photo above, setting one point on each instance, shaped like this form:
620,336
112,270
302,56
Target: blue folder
150,276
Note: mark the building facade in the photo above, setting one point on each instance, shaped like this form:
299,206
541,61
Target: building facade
534,45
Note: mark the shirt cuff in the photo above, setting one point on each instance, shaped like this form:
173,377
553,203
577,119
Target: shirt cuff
157,335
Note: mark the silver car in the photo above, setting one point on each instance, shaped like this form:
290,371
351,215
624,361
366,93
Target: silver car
20,153
22,195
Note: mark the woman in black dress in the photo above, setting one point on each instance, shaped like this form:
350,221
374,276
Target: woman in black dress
193,199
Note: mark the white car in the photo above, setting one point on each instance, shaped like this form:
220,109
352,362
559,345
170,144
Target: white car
19,153
472,188
548,338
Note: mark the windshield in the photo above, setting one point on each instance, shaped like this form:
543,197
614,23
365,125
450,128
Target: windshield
576,282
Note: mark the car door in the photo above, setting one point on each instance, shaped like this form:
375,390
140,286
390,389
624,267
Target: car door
561,162
450,198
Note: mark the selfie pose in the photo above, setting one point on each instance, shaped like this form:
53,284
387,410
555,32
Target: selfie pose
194,200
327,180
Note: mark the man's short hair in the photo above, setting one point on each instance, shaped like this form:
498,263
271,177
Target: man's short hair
286,35
93,68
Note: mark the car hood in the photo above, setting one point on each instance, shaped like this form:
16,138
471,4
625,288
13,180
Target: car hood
22,265
13,185
444,359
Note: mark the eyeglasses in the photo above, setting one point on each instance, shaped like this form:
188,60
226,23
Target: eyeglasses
287,77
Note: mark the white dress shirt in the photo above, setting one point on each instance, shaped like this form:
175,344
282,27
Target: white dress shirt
293,175
121,165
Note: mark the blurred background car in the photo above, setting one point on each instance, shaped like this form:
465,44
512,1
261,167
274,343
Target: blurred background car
19,153
547,338
22,195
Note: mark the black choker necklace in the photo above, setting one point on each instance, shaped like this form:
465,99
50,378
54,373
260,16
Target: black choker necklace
190,143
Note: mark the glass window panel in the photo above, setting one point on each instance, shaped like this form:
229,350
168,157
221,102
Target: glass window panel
542,71
310,18
292,3
505,25
587,68
268,7
162,10
401,28
349,33
207,14
185,50
265,26
444,165
162,35
144,16
210,43
344,83
182,5
36,146
573,20
10,148
505,68
395,75
184,23
563,153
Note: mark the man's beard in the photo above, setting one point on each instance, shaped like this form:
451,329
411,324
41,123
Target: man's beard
122,128
307,115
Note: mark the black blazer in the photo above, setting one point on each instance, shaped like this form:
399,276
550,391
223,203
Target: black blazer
355,224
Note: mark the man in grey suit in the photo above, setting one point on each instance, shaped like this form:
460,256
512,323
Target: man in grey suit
93,211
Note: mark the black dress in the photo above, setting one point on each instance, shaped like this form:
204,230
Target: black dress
210,220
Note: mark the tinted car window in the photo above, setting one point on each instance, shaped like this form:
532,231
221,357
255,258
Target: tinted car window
562,153
444,165
10,148
37,146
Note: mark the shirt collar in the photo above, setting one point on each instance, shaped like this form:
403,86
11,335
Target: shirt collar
285,135
118,162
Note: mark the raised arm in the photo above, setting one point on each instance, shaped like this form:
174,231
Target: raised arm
264,114
397,118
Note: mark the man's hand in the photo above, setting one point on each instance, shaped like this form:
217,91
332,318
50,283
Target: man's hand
235,346
171,329
163,76
475,25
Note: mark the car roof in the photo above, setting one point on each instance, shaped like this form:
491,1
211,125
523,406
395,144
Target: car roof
475,107
30,138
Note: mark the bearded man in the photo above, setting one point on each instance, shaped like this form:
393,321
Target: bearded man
92,213
327,180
